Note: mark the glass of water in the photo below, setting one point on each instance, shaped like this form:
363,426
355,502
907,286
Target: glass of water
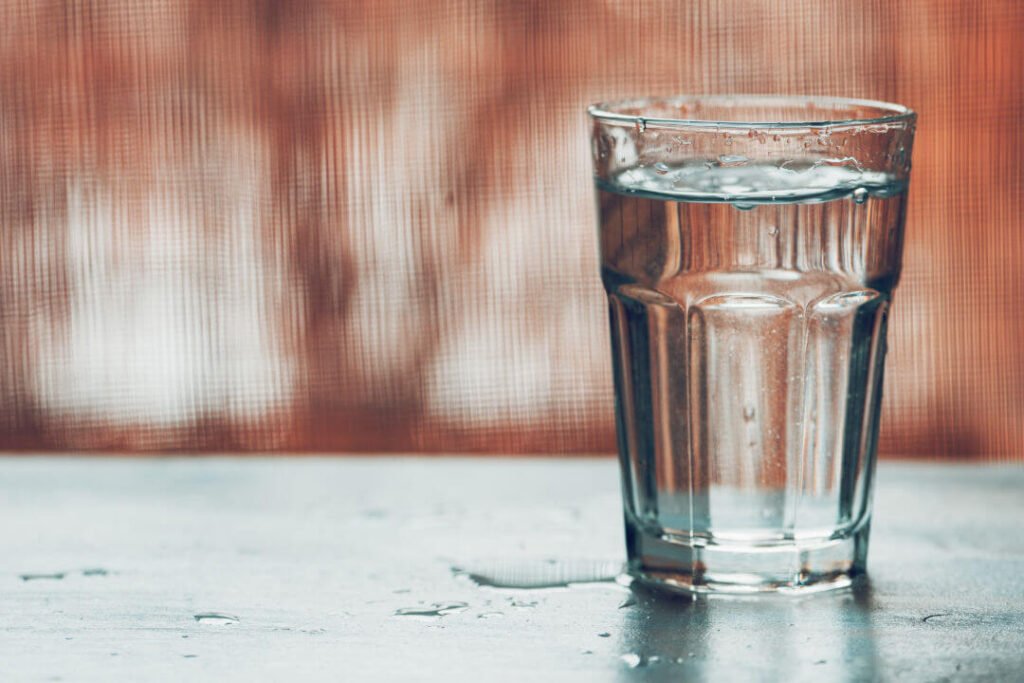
750,246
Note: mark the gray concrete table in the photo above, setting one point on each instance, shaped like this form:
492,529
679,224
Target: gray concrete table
385,569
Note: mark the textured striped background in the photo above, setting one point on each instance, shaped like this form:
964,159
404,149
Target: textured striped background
248,225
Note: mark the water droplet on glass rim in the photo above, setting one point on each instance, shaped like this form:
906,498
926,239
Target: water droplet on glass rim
641,124
860,195
604,634
661,169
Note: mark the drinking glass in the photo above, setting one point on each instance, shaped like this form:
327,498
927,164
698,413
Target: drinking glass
750,246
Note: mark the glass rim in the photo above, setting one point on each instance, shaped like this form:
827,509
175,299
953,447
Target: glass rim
889,112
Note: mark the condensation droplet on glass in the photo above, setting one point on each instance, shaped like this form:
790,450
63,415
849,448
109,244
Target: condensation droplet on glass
632,660
749,412
773,230
860,195
641,124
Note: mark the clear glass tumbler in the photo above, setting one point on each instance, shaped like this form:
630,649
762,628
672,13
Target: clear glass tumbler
749,249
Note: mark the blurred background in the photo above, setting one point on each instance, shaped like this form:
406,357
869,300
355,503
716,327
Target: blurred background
368,225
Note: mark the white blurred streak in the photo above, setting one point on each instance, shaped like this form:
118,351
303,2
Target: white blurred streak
524,353
170,312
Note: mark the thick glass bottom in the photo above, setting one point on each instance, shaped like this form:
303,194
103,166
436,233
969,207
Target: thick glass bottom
707,566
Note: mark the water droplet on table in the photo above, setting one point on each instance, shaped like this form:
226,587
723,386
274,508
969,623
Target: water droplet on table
216,618
437,609
55,576
521,602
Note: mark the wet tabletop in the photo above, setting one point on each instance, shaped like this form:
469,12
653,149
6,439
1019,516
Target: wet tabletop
385,569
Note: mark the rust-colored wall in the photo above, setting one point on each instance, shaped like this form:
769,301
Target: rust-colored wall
368,225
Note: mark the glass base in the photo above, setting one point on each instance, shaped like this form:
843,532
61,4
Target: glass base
707,566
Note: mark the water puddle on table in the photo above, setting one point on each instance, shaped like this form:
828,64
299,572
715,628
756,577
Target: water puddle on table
527,575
